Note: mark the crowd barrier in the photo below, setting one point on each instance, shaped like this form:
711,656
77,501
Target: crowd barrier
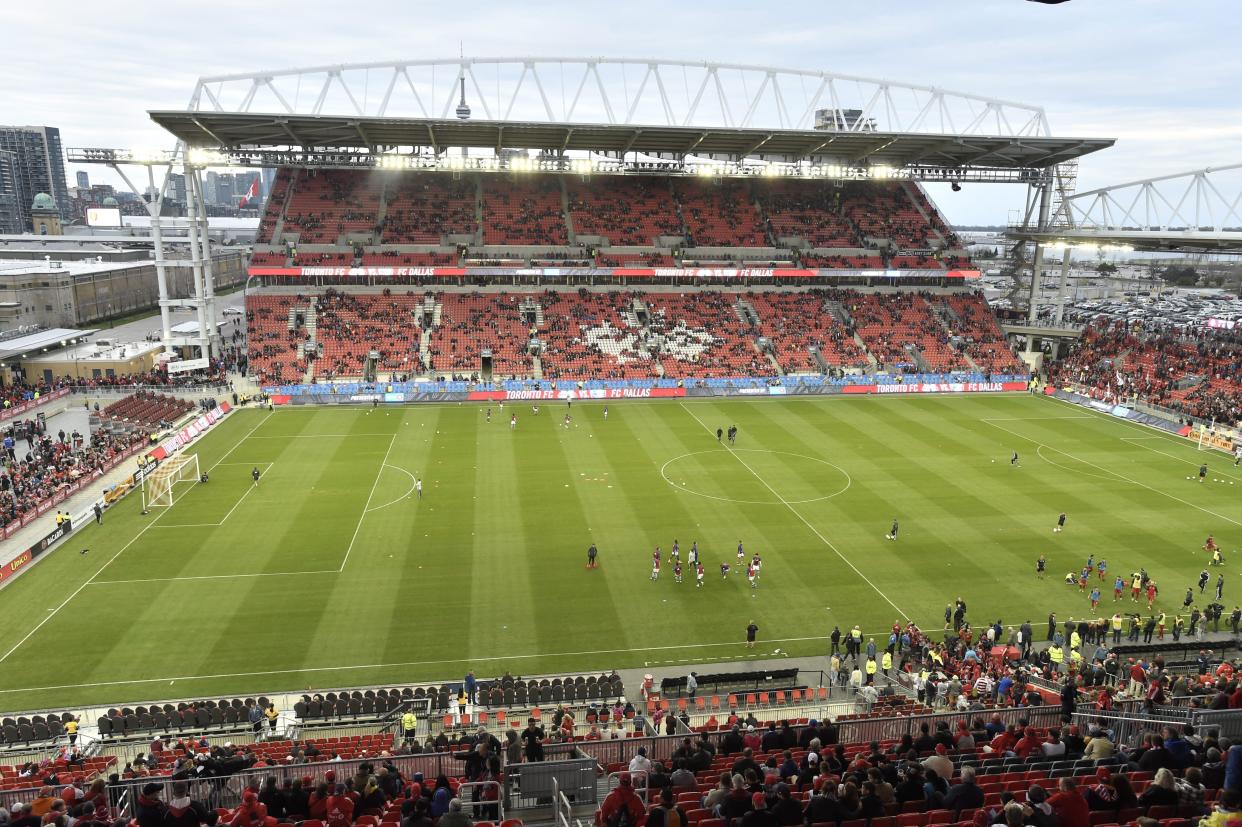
32,404
536,390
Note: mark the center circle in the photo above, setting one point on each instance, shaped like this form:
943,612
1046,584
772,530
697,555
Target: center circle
724,468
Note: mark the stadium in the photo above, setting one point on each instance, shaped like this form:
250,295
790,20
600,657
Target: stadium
574,443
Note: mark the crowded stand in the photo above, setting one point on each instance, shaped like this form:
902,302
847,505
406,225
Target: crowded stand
38,465
586,334
796,322
328,204
899,330
700,335
626,211
423,208
273,343
720,215
523,211
473,322
982,337
349,327
1196,374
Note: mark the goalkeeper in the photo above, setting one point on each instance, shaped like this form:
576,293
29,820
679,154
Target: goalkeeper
254,474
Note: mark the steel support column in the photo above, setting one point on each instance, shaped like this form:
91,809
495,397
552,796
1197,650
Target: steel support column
1037,261
196,260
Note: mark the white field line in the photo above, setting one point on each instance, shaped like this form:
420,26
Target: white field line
1138,440
796,513
406,664
210,577
1113,474
408,492
314,436
245,494
367,507
51,614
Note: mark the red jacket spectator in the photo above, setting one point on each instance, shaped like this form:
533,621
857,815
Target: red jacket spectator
340,809
1070,807
623,798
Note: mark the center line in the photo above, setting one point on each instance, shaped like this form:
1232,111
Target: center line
795,512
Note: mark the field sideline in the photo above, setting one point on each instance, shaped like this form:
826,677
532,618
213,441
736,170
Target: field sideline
332,573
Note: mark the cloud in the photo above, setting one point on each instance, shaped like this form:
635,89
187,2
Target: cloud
1160,77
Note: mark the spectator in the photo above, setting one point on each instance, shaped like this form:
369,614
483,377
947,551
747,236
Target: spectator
759,815
1190,793
666,813
455,817
622,807
183,811
1161,792
1228,810
640,762
964,796
149,809
1070,807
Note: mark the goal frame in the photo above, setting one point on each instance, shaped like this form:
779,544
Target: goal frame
157,487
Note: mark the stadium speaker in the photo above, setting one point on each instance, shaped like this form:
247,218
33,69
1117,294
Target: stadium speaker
956,186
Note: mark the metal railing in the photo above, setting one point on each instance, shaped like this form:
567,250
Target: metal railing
538,783
473,796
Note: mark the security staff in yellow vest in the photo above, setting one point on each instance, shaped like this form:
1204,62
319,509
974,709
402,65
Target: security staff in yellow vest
871,667
408,724
1057,655
886,662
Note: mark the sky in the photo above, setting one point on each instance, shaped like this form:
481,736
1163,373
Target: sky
1160,77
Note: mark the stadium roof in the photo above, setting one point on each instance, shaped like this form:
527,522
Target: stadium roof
230,130
55,338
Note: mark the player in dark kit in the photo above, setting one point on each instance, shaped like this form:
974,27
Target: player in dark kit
1014,459
1202,472
1041,566
591,554
1060,524
254,475
892,532
751,631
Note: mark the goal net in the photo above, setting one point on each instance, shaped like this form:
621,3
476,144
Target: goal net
157,488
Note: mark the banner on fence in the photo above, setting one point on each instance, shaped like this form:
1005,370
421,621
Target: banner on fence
190,432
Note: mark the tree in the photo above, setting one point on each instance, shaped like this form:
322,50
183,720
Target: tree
1106,267
1180,275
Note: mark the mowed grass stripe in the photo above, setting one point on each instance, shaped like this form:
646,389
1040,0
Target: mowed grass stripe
927,460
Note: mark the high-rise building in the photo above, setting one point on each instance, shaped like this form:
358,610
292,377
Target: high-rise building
175,190
10,213
84,180
38,165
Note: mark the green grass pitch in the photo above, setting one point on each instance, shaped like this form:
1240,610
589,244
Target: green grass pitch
331,573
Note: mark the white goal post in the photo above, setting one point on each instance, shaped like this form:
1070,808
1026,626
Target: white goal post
157,487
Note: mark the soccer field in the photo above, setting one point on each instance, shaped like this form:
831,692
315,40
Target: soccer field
331,572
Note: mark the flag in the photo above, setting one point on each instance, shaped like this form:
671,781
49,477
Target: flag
251,198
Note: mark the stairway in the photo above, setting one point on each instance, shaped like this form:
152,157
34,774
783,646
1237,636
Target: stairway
871,360
912,189
478,210
279,226
949,319
837,310
537,367
569,222
424,350
920,361
746,313
775,364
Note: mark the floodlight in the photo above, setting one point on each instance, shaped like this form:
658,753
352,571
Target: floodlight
201,157
881,171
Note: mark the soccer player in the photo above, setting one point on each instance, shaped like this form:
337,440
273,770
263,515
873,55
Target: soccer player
1119,586
724,571
1040,566
98,514
892,532
757,562
1202,472
698,575
1014,459
751,574
1090,562
1237,456
694,553
1217,560
1203,580
741,555
676,549
592,553
1136,587
489,414
1209,544
1082,578
751,631
719,434
1220,586
655,568
1102,567
605,413
418,487
254,474
512,422
1095,598
1152,591
568,419
677,572
1060,523
1188,599
732,434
